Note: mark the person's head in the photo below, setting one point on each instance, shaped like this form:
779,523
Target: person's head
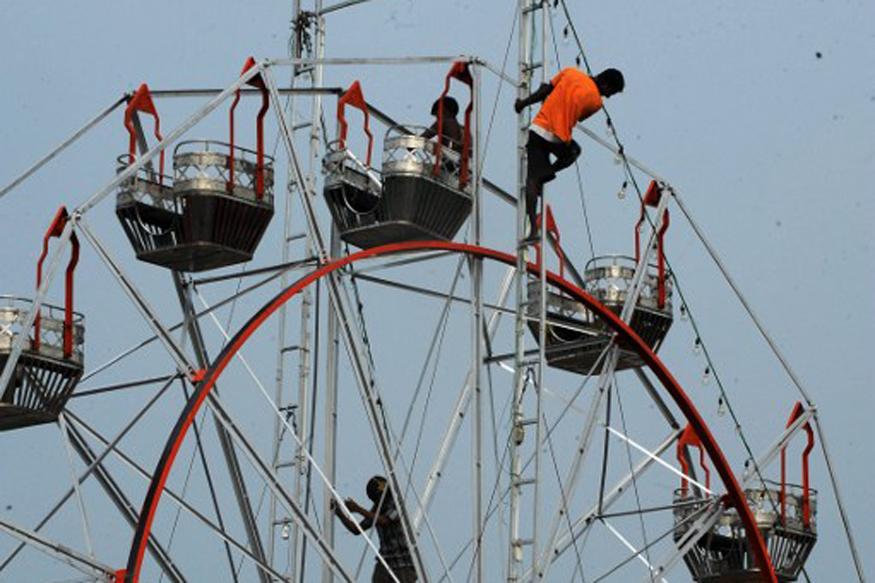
610,82
451,107
375,488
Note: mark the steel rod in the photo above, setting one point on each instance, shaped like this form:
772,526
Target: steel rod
285,267
279,373
515,550
273,482
636,553
330,417
476,269
177,499
288,428
541,565
299,548
243,91
127,385
338,6
424,60
220,304
583,523
63,145
80,502
238,484
78,561
89,469
146,311
457,416
846,523
416,258
121,502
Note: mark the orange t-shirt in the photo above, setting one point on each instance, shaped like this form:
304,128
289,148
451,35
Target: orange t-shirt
575,97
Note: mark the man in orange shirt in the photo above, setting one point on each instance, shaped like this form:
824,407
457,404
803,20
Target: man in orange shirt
569,98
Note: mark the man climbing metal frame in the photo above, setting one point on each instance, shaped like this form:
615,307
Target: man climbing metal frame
569,98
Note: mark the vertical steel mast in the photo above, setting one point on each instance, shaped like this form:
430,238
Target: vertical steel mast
477,339
525,368
307,41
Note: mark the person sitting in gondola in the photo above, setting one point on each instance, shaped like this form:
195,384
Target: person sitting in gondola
452,133
569,98
384,516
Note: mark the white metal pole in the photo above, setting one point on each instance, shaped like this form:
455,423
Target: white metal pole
477,335
330,429
517,430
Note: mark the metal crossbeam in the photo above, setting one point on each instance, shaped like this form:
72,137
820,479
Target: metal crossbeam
121,502
238,484
77,560
176,498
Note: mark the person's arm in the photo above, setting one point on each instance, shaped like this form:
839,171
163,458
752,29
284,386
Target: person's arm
430,132
350,525
382,519
538,96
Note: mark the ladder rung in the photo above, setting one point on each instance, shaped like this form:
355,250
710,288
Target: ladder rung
282,465
523,542
524,482
527,421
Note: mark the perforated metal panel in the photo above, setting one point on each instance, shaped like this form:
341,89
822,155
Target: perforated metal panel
723,556
576,338
44,378
197,221
415,204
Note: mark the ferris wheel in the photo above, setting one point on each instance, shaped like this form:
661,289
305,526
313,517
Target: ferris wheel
521,405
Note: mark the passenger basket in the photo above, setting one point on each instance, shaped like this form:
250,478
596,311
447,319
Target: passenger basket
51,361
576,338
214,212
426,190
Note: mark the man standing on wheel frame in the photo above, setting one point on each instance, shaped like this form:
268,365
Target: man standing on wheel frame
383,516
569,98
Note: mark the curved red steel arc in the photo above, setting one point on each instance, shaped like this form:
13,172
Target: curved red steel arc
735,494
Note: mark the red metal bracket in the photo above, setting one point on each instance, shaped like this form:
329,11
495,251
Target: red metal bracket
257,82
798,409
553,233
354,98
461,72
689,438
651,198
142,102
55,230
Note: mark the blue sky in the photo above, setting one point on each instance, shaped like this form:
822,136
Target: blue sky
761,115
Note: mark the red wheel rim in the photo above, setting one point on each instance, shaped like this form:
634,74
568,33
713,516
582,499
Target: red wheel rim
735,494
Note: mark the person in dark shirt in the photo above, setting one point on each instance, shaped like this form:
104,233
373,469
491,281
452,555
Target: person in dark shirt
452,134
384,516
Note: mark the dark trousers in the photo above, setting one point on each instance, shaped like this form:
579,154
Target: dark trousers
540,170
404,574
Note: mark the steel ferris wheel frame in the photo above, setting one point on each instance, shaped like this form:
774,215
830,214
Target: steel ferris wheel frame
207,377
